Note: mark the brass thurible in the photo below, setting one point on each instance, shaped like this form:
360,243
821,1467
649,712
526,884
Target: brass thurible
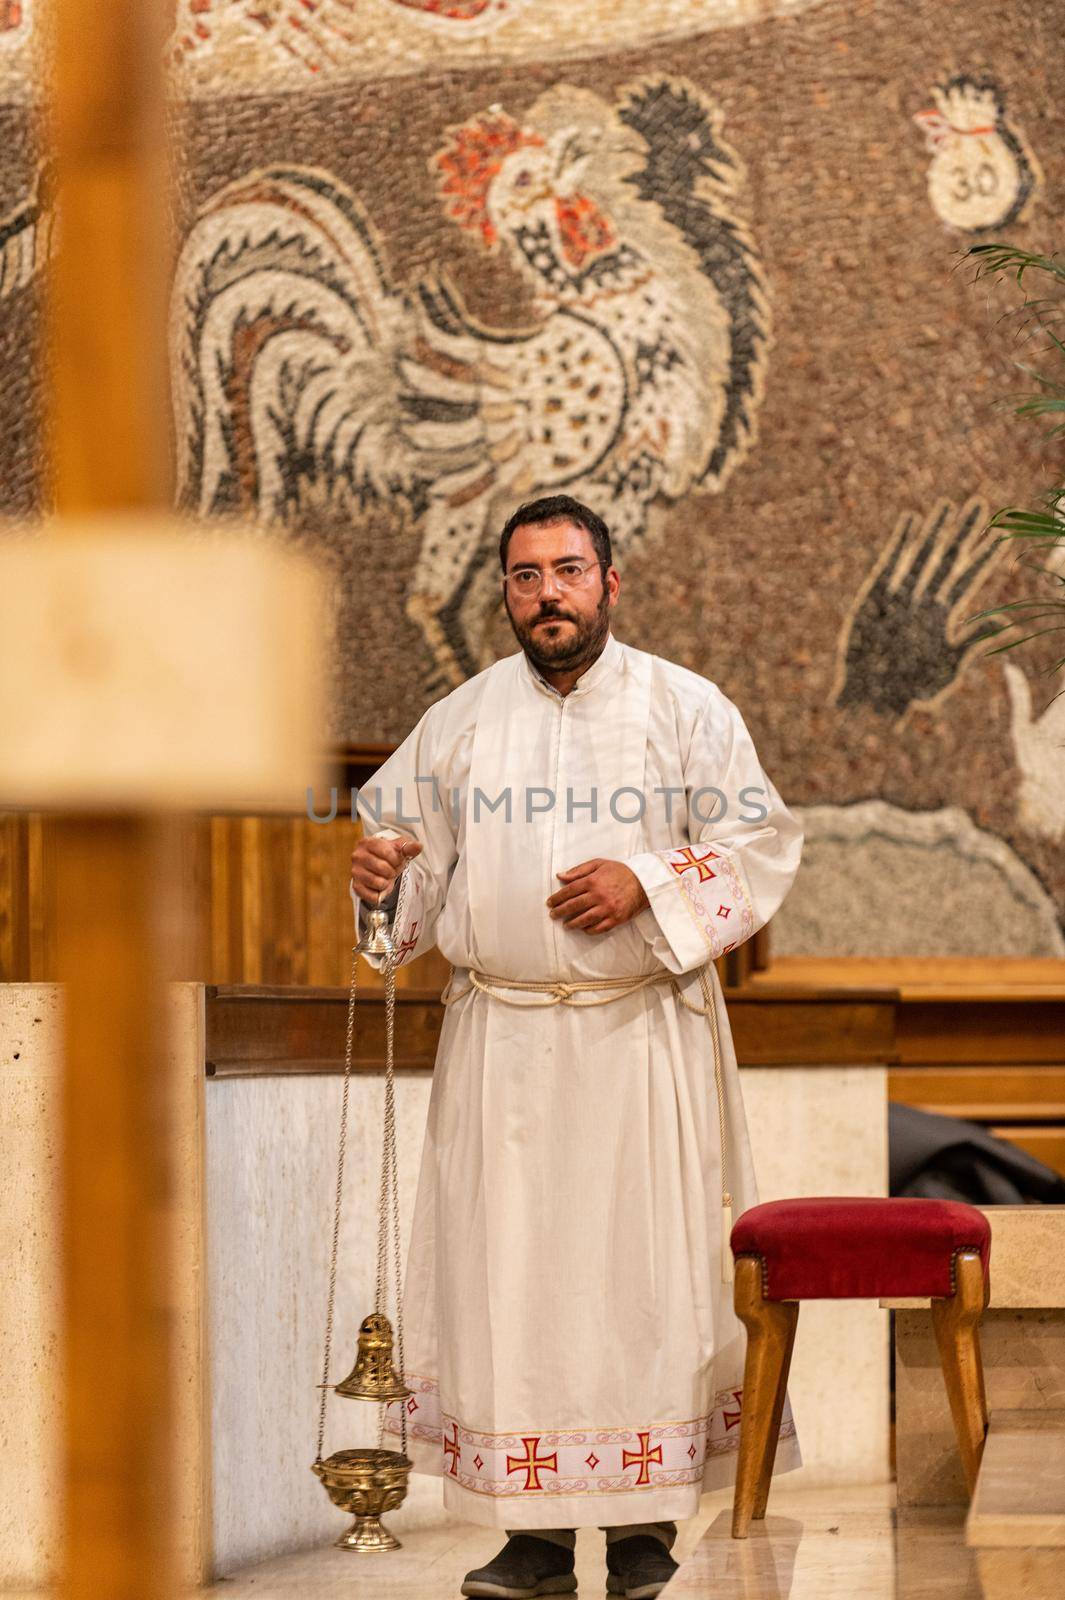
368,1482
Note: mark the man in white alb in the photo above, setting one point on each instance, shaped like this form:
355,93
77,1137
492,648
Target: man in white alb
581,829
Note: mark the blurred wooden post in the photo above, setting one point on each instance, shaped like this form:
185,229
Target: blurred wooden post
143,673
109,440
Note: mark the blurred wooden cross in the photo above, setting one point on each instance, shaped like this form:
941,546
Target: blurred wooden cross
145,670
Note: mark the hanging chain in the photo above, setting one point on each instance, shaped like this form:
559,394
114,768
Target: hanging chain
337,1204
388,1200
390,1193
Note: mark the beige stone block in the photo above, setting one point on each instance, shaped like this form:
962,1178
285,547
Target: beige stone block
1027,1258
148,664
1010,1574
1019,1500
1024,1369
31,1374
31,1377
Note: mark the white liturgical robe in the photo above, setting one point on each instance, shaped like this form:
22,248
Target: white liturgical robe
572,1348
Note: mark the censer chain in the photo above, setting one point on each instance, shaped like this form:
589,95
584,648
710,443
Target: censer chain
337,1205
389,1192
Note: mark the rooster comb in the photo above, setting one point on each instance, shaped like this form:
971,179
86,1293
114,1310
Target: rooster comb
470,160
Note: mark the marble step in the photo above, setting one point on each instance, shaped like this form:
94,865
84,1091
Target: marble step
1016,1522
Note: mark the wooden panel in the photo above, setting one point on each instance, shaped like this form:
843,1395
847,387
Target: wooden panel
770,1031
961,975
251,923
1025,1091
27,898
973,1028
259,1032
1047,1144
189,845
14,897
326,852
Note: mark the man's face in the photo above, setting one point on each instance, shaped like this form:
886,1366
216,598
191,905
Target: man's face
558,627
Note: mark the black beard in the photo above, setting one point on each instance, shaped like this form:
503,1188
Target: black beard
580,646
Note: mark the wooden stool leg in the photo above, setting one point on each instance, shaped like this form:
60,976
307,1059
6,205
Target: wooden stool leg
956,1322
761,1499
770,1328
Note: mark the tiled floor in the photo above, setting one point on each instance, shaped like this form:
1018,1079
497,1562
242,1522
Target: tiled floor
820,1544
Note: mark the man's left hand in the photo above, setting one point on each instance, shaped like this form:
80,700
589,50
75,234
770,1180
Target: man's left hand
597,896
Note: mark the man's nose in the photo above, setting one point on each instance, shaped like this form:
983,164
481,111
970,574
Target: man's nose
547,581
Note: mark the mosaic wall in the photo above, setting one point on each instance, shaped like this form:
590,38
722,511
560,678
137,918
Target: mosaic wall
695,262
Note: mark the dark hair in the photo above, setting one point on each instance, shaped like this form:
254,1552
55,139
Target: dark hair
558,508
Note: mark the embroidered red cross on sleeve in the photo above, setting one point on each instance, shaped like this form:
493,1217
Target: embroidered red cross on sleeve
686,860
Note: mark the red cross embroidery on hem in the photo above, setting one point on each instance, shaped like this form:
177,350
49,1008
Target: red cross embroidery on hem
732,1418
643,1456
453,1449
408,944
532,1464
689,860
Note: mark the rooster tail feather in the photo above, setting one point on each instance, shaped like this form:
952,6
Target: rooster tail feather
691,173
285,337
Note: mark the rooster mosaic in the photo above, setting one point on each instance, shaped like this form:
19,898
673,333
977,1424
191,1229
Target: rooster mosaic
307,375
27,234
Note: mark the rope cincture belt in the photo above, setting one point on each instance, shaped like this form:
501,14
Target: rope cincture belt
561,990
566,992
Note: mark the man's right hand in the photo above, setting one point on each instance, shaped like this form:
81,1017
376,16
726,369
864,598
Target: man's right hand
377,863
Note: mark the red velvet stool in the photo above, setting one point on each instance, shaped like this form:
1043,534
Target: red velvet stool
850,1249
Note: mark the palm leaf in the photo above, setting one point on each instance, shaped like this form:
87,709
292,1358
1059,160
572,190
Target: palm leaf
1042,525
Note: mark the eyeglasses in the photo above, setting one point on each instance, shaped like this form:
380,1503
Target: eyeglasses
529,581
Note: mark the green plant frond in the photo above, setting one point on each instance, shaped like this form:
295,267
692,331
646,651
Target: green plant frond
1053,609
1046,572
1038,634
1054,340
1051,306
998,258
1052,394
1011,533
1040,405
1028,524
1039,377
1043,570
1039,354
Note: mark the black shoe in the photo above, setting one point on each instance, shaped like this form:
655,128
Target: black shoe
638,1567
526,1566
